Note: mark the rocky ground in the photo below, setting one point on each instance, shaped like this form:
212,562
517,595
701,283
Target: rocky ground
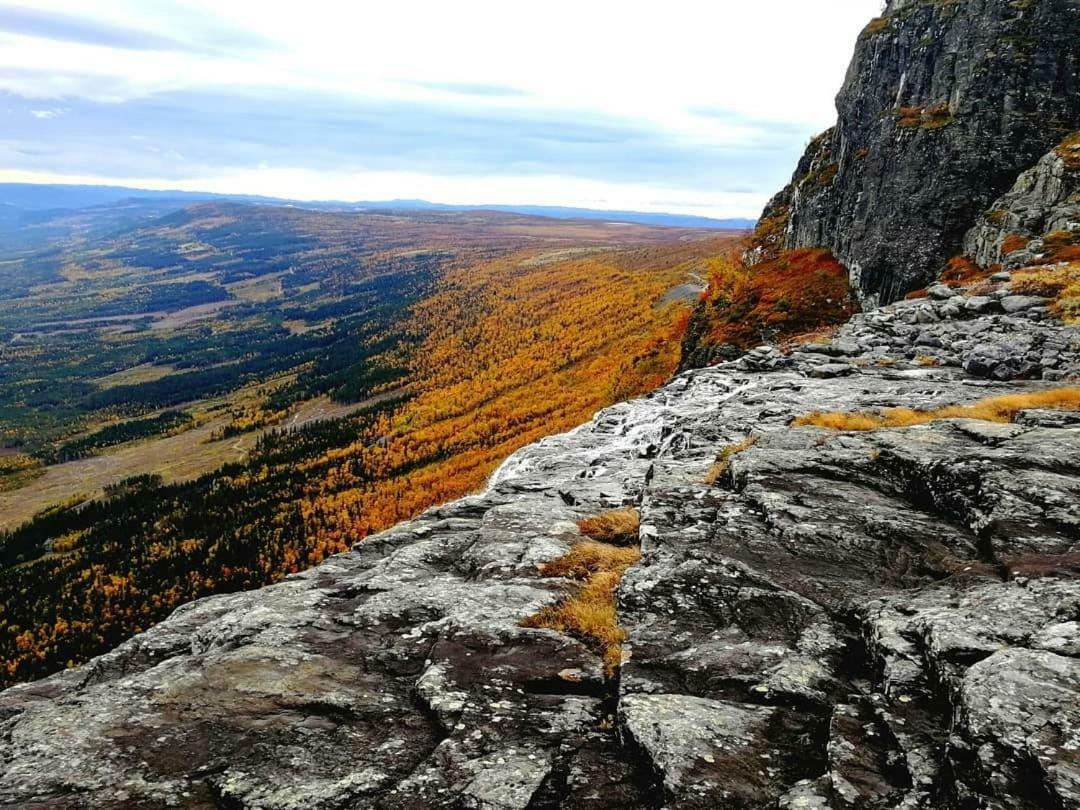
842,620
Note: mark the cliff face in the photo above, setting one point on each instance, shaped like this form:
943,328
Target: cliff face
946,102
1038,220
875,619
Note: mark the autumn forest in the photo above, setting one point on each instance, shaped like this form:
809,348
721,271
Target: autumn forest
225,394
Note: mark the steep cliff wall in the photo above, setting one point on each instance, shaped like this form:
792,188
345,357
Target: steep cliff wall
945,103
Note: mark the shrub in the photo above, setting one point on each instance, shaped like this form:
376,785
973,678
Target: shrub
961,270
1069,149
1014,242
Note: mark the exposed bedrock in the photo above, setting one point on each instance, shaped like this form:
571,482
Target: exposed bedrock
871,619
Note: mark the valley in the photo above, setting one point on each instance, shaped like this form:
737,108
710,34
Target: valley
230,393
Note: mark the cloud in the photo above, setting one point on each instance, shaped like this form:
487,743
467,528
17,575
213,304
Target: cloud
472,89
66,27
690,105
187,133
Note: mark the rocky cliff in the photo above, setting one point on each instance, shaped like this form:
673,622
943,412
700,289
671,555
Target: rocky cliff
828,619
1038,220
837,605
946,102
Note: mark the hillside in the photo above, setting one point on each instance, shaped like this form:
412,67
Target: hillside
821,618
833,563
230,395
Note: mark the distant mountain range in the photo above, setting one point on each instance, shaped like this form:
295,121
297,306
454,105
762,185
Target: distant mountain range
30,197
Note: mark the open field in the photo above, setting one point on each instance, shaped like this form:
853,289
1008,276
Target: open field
176,458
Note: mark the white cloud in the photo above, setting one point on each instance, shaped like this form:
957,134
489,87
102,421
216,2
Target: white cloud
705,74
54,112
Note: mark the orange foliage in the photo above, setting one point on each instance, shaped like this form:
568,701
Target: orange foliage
961,270
800,291
1014,242
512,350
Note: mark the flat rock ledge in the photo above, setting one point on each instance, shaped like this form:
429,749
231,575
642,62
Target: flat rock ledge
886,619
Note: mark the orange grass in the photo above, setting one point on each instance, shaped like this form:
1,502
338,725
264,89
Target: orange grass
1061,283
590,614
994,409
723,459
614,526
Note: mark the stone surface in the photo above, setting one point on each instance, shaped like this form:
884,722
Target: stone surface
842,620
1044,200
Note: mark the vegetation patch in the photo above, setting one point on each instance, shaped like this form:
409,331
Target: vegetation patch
164,424
876,26
935,116
590,614
1069,149
1062,246
994,409
1059,283
723,459
618,526
798,292
1014,242
961,271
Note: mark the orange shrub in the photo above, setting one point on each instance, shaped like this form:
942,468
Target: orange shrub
961,270
800,291
1014,242
1069,149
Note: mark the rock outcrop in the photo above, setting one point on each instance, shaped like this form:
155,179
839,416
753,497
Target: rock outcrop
1039,215
945,104
871,619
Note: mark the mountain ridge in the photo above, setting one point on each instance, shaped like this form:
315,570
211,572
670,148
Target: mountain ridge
45,197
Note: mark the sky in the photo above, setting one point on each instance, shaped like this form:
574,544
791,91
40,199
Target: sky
686,107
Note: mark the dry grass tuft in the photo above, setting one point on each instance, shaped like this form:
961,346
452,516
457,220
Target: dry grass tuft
589,557
723,459
616,526
590,614
995,409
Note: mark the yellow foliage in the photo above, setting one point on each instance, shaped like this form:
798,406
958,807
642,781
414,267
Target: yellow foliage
994,409
590,614
723,459
614,526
